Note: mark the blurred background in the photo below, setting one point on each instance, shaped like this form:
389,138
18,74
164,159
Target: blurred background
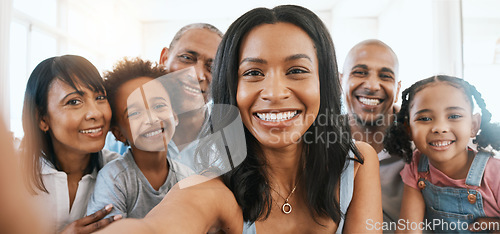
454,37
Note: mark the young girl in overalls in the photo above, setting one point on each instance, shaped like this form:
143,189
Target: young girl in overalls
446,182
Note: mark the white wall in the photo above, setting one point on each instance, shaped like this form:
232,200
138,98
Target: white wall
480,69
407,27
347,32
106,31
157,35
5,18
102,33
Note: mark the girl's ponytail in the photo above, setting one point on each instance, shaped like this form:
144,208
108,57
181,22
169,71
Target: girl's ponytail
490,132
397,140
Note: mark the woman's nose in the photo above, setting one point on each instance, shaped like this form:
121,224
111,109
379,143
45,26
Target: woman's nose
275,88
93,111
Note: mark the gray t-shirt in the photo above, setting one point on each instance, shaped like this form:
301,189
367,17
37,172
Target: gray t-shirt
122,184
392,185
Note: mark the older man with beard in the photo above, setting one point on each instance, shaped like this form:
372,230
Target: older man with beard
190,53
371,87
192,49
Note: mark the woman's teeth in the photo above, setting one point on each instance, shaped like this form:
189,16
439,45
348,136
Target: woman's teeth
153,133
276,117
96,130
369,101
440,143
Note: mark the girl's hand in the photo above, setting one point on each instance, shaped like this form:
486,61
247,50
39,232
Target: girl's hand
485,224
93,222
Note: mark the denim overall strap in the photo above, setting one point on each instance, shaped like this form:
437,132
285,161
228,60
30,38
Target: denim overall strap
450,207
476,170
423,163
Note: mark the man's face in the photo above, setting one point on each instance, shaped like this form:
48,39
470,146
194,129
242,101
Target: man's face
184,98
196,48
370,83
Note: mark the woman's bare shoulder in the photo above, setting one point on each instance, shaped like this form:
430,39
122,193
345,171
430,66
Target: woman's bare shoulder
368,153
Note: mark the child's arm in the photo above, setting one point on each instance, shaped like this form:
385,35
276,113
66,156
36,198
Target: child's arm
365,209
412,209
108,191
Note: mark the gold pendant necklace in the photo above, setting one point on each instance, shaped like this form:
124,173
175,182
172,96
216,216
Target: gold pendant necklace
286,207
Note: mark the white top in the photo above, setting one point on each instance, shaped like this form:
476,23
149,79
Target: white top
55,204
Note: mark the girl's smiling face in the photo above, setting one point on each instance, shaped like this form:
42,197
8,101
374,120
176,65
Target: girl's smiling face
77,120
278,83
442,123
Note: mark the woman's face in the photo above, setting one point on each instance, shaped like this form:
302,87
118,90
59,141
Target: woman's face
77,120
278,84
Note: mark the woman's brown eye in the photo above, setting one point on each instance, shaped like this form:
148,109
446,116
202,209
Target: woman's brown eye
253,73
297,71
73,102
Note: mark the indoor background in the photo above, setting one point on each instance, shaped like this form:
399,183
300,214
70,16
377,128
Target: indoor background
454,37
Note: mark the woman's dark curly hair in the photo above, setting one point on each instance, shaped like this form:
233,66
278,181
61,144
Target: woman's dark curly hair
398,141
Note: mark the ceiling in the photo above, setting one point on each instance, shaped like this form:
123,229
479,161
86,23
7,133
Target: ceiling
172,10
166,10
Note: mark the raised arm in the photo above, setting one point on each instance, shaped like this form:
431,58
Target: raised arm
201,208
366,204
20,213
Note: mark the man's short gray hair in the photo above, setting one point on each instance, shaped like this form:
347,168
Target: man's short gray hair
188,27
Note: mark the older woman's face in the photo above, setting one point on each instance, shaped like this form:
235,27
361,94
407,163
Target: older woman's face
278,84
77,120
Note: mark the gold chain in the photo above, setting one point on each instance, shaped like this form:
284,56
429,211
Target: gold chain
286,204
